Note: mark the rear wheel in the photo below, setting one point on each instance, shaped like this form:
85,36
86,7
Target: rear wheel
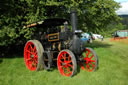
66,63
89,60
33,53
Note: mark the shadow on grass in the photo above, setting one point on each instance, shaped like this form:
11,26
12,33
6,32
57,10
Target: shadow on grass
11,51
1,61
98,44
79,69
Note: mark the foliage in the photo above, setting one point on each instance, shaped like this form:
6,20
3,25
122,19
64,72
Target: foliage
93,15
111,28
124,21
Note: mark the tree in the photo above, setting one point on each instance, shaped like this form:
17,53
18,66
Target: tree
99,14
93,15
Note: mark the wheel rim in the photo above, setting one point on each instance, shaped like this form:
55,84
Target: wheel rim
65,64
88,61
30,56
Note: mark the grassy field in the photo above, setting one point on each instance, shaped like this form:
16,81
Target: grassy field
113,69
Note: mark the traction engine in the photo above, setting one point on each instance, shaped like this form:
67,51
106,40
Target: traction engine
59,46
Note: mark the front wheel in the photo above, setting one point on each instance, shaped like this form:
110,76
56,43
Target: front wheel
89,60
66,63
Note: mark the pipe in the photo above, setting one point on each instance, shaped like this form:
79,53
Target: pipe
74,20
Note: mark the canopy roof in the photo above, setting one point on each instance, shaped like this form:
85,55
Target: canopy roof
47,23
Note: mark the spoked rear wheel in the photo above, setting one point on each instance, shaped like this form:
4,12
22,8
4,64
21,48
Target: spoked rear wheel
89,60
66,63
33,53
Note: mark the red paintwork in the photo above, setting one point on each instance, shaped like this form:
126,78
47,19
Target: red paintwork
65,64
88,62
30,56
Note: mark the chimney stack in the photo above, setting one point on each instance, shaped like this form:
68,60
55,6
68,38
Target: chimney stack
74,20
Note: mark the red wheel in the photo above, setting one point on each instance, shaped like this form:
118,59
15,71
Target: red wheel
33,52
66,63
89,60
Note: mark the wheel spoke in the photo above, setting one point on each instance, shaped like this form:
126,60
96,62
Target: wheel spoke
31,47
92,65
34,63
87,54
28,59
92,60
63,69
31,66
91,56
68,70
61,66
35,53
69,58
29,52
64,56
87,66
35,56
61,61
35,59
29,62
34,49
70,66
69,61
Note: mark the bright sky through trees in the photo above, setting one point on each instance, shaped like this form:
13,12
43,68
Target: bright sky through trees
124,7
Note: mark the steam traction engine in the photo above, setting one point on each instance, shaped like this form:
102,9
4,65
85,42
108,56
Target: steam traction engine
59,47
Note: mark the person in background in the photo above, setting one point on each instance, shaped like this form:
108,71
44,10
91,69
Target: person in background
102,38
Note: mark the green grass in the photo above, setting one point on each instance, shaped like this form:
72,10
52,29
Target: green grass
113,69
